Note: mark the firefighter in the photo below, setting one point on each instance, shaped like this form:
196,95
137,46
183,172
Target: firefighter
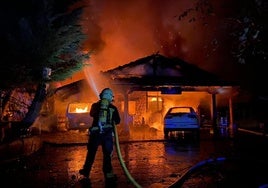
105,116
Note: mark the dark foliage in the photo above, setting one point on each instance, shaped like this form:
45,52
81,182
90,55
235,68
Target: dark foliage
36,34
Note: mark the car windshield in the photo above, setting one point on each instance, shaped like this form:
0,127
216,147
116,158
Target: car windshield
180,110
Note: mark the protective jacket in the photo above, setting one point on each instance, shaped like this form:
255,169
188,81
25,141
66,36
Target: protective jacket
112,116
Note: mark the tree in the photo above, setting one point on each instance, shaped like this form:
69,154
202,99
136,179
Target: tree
36,36
244,34
246,26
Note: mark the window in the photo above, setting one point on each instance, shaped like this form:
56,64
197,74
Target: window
131,107
154,101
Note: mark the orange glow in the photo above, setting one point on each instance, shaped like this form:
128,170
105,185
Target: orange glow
141,28
78,107
153,99
75,77
81,110
132,107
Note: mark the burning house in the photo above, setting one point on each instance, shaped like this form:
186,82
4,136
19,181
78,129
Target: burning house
148,86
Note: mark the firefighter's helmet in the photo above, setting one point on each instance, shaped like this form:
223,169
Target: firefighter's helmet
107,93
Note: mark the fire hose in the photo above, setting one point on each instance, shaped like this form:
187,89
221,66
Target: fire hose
122,163
178,183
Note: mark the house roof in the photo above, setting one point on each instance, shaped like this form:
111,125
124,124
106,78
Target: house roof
159,71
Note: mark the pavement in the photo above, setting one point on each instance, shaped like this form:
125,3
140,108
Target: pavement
26,145
29,144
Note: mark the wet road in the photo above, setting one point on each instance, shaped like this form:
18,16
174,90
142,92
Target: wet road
158,163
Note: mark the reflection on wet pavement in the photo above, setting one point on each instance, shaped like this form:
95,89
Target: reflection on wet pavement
153,163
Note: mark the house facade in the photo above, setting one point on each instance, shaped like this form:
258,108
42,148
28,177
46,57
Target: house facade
147,87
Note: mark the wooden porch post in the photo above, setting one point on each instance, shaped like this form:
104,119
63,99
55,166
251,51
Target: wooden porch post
214,112
232,127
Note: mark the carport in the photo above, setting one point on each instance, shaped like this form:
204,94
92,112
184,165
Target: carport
169,75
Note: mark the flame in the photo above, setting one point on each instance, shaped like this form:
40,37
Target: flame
81,110
78,107
153,99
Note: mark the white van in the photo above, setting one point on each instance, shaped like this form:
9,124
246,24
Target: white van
78,116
